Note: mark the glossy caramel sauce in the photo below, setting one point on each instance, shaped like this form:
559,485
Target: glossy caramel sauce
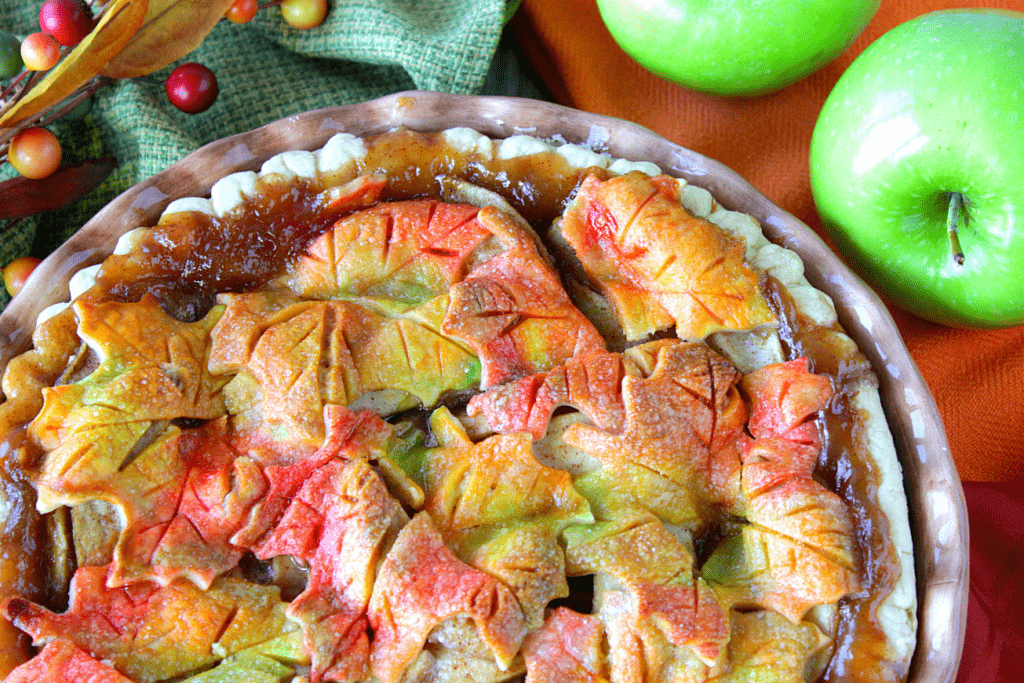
190,257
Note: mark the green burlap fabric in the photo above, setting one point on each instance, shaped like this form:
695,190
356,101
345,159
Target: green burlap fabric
266,71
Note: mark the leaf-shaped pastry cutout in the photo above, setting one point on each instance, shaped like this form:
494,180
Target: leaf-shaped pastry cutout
120,21
785,397
61,661
684,421
567,648
338,523
640,650
764,641
590,382
477,272
658,264
399,255
152,368
303,355
419,585
513,312
797,551
151,633
501,511
171,29
182,499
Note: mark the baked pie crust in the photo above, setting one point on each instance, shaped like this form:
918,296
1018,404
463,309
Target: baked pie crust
436,407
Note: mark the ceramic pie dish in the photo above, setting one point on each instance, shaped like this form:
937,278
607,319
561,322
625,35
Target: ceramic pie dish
932,487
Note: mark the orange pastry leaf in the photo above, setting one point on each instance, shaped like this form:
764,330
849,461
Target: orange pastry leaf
151,633
658,264
684,421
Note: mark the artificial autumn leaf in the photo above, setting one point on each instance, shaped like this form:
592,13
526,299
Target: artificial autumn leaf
61,661
501,511
567,648
294,357
337,523
658,264
419,586
120,21
26,196
152,633
171,29
152,369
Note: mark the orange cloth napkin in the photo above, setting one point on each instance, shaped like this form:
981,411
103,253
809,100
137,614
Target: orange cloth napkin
975,376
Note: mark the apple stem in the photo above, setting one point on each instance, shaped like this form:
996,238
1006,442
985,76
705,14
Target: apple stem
956,209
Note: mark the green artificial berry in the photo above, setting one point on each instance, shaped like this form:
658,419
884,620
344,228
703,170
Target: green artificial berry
10,56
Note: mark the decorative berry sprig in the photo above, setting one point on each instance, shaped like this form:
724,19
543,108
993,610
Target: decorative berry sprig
83,46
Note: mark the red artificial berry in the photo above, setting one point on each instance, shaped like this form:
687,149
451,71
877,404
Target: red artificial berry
39,52
68,21
192,88
35,153
17,271
242,11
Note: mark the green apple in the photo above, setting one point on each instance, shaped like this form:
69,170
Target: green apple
917,166
731,47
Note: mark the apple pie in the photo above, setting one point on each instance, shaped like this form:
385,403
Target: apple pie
436,407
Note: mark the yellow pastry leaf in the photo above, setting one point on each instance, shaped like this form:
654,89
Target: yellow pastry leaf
299,356
152,369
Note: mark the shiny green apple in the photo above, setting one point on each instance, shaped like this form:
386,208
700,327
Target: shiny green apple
929,116
729,47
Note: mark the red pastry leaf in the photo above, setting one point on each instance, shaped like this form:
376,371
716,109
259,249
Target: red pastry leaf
421,584
337,522
61,661
590,382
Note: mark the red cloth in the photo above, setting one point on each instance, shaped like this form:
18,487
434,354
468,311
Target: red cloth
994,648
975,376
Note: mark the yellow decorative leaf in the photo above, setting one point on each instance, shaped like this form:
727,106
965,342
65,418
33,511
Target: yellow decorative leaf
115,29
171,29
